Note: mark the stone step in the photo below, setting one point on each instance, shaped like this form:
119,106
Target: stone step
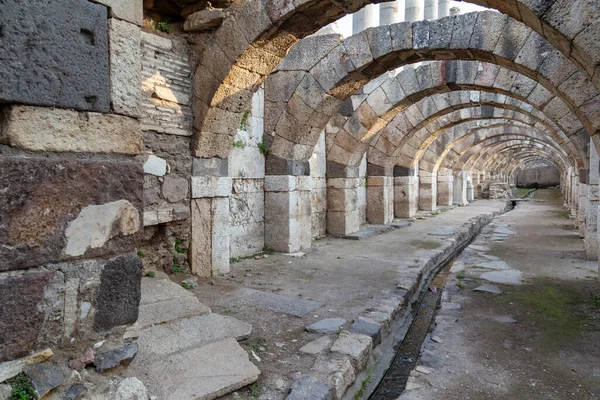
163,300
202,373
158,341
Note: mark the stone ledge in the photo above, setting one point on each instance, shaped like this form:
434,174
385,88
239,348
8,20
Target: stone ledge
209,186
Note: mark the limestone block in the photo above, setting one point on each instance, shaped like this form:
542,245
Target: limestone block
280,183
156,41
68,68
175,189
288,220
380,200
47,129
342,199
155,166
338,371
128,10
343,222
209,186
203,20
355,345
42,196
97,224
210,167
247,162
125,67
210,246
406,193
319,223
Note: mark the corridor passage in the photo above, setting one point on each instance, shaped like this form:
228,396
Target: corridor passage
539,338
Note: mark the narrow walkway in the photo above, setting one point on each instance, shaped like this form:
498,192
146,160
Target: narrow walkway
537,339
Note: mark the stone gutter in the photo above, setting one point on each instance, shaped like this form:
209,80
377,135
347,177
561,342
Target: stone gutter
358,361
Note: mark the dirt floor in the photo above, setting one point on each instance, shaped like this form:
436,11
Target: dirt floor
540,338
347,276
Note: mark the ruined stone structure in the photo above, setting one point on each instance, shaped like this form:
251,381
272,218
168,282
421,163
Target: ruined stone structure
142,136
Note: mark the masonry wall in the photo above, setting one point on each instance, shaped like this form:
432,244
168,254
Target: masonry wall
538,177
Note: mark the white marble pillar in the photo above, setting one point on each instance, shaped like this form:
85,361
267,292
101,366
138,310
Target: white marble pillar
470,189
431,10
460,188
380,199
388,13
414,10
363,19
593,200
288,214
406,196
443,8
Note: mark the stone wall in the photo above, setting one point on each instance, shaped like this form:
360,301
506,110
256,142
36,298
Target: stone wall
71,175
538,177
318,172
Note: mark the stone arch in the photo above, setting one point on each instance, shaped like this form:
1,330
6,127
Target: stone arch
488,160
363,57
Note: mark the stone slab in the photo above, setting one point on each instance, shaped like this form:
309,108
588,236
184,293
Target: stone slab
203,373
355,345
64,67
316,346
176,336
163,300
128,10
488,289
44,377
279,303
309,387
445,231
125,67
326,326
10,369
32,186
367,327
508,277
114,357
401,224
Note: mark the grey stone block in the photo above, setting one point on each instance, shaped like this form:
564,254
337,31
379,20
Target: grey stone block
367,327
119,294
54,54
115,357
44,377
309,387
326,326
280,303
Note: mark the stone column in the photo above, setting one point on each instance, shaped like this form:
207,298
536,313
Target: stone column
414,10
406,196
363,19
380,199
470,189
209,249
343,214
460,188
388,13
431,10
445,186
443,8
581,208
574,195
288,225
591,236
427,191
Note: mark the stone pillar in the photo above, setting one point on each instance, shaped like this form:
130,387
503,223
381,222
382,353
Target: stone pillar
445,186
581,208
288,226
414,10
460,188
380,199
574,196
343,214
431,10
209,249
363,19
470,189
443,8
406,196
427,191
388,13
591,235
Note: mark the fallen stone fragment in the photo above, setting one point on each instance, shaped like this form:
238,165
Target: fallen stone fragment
505,319
367,327
10,369
203,20
436,339
309,387
112,358
316,346
337,371
488,289
44,377
75,392
355,345
424,370
80,363
326,326
508,277
131,389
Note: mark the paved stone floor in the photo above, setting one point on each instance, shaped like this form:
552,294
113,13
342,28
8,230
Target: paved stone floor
339,279
540,337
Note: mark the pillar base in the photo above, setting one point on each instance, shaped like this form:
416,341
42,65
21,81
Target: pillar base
406,196
380,199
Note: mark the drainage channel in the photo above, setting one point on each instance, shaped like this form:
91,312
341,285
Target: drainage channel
394,381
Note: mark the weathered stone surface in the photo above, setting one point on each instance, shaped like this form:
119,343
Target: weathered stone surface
367,327
82,361
75,392
118,299
326,326
355,345
112,358
68,68
41,196
508,277
21,316
131,389
203,20
125,67
5,392
280,303
10,369
155,166
44,377
309,387
488,289
316,346
210,167
175,188
50,129
128,10
96,225
203,373
337,371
